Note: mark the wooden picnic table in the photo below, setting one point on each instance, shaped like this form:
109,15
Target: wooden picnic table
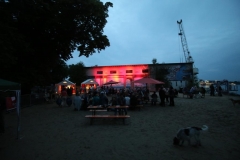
95,108
100,108
119,109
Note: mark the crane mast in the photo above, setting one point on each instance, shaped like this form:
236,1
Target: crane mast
188,57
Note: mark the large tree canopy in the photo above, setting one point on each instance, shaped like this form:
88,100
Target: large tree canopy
77,73
36,35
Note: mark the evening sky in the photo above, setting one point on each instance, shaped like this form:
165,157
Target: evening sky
140,30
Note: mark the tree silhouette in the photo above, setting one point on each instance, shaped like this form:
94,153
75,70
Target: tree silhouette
37,35
77,73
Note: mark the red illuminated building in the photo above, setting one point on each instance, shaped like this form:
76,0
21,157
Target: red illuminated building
178,73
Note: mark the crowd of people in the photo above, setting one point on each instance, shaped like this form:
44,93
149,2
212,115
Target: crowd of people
65,98
195,91
217,89
107,96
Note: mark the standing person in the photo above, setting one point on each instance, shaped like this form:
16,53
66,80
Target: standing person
96,99
192,91
162,96
113,102
77,91
154,98
203,91
133,100
64,97
69,92
219,90
122,102
77,102
127,99
171,95
84,101
211,90
103,99
166,94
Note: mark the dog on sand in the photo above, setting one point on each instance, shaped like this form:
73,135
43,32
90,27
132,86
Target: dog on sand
234,101
185,134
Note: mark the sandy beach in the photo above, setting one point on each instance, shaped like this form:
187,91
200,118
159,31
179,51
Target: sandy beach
51,132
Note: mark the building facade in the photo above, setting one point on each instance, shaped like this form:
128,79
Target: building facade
178,73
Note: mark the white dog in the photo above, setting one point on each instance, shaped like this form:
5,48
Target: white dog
186,134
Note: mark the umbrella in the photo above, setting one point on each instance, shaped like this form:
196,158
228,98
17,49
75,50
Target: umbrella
111,82
148,81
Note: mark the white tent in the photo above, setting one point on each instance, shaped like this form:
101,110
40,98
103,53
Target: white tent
90,81
65,83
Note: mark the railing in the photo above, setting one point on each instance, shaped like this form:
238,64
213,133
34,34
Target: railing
28,100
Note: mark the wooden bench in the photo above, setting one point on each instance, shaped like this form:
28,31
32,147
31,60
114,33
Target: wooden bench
99,110
107,116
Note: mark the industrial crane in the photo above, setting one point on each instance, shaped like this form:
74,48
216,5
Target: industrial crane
188,57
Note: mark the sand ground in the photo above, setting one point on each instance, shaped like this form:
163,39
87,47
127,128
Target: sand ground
50,132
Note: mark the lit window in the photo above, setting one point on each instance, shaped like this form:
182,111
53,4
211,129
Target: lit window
113,72
128,71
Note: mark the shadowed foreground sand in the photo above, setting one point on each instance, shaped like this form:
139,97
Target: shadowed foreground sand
50,132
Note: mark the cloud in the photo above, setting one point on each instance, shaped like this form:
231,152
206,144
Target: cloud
145,29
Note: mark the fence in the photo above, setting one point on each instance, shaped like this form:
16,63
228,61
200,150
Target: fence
28,100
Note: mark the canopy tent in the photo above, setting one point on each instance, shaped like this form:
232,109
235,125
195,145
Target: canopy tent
88,83
147,80
65,83
6,86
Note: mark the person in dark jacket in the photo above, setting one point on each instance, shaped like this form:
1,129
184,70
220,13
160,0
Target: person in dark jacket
219,91
154,98
162,96
171,95
103,99
203,91
212,90
96,99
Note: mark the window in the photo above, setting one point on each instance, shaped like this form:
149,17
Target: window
113,72
128,71
99,72
145,71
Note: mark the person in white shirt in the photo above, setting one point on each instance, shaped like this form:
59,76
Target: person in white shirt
127,99
77,102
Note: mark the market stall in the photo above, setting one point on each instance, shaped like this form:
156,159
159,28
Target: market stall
89,83
65,84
